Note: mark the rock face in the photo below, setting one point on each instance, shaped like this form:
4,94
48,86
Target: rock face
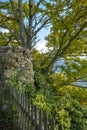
15,59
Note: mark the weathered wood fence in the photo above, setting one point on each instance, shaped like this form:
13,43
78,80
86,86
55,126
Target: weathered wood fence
29,117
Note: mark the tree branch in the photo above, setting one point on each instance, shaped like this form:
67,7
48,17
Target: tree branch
60,53
14,11
42,25
12,32
70,41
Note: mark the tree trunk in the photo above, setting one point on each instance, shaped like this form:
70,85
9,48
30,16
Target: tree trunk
30,21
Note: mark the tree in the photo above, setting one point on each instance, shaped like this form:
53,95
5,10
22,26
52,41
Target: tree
67,40
23,19
69,29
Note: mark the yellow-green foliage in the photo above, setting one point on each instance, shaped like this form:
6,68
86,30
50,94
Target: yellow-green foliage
58,79
41,101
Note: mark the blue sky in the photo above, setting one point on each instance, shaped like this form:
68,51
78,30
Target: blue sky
41,35
3,0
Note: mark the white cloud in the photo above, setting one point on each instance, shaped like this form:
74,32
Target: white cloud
5,30
41,46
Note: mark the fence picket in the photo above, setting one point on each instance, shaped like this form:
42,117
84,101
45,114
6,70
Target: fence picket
29,114
36,117
40,119
32,112
45,121
52,124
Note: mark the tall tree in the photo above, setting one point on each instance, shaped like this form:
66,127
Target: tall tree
23,19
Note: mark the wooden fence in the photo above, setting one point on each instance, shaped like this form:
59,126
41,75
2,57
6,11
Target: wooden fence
29,117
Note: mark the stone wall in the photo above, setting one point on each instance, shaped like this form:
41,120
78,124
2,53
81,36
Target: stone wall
15,59
15,69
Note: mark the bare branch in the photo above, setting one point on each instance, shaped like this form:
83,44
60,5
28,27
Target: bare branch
42,25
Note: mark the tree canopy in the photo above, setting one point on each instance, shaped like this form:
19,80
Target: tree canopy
23,20
69,29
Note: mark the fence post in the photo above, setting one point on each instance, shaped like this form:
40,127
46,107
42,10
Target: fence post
45,121
36,118
32,116
52,124
40,119
19,108
21,114
29,114
22,111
